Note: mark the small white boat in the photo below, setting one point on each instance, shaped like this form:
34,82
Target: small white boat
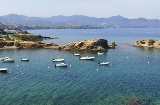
103,63
76,54
86,58
61,65
3,70
2,58
8,60
58,60
100,53
24,59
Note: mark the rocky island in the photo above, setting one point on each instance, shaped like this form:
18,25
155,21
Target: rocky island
150,43
90,45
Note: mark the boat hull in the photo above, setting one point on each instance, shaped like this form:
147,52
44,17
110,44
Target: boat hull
3,58
61,65
58,60
86,58
103,63
76,54
3,70
26,60
100,53
8,60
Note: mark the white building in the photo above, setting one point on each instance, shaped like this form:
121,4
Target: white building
11,31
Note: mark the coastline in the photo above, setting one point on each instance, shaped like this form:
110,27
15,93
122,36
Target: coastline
90,45
8,48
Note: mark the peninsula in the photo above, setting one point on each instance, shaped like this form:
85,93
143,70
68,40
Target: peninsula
27,40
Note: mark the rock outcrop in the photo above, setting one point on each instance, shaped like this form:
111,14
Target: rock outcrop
151,43
113,45
30,44
6,43
90,45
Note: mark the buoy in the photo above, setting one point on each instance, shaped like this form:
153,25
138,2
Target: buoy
11,70
148,62
97,69
22,73
17,65
48,67
127,57
70,65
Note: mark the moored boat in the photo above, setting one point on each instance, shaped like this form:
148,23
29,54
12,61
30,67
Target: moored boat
3,70
86,58
58,60
76,54
103,63
100,53
61,65
8,60
2,58
24,59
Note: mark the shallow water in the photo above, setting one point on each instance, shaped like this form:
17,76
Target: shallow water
133,73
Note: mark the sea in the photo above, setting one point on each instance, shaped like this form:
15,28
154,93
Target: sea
131,78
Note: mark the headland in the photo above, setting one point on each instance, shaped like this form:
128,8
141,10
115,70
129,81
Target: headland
21,41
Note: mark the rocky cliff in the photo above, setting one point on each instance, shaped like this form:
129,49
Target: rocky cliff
148,43
90,45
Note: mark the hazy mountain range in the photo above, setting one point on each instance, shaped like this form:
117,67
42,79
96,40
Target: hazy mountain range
75,20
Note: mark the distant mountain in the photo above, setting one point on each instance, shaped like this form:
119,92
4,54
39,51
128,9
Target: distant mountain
24,20
76,20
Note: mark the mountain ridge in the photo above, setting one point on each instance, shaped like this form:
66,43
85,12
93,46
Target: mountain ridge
76,20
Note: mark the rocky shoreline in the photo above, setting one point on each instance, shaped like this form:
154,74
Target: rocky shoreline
21,41
89,45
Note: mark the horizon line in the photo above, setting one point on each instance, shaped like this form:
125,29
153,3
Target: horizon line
78,15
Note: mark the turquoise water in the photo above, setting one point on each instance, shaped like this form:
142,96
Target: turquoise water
133,73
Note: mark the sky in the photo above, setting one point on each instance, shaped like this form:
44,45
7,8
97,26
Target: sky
93,8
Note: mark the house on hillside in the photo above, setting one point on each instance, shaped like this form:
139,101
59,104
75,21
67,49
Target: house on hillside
12,31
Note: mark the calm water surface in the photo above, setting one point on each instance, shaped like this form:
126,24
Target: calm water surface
130,35
133,73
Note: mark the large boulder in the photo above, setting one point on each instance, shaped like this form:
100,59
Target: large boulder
91,45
